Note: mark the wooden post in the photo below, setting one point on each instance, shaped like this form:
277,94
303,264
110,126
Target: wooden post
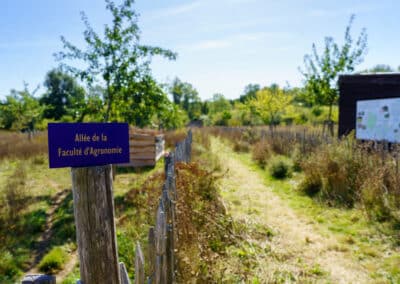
139,265
170,254
160,237
95,227
124,274
152,254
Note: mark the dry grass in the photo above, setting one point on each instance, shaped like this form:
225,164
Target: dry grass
22,146
173,137
347,172
295,253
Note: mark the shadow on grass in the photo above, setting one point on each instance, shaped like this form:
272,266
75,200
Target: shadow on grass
19,238
63,228
17,242
129,170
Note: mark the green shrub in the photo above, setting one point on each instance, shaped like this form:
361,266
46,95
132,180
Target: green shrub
53,261
279,168
8,267
311,185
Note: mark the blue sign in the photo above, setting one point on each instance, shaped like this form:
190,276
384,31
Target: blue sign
87,144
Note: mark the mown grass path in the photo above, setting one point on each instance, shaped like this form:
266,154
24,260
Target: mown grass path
297,251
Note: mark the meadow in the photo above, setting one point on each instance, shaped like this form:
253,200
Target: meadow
253,206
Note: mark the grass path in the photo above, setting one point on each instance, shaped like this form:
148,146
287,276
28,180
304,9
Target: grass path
42,246
298,251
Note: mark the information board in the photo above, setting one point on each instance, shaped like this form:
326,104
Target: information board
378,120
87,144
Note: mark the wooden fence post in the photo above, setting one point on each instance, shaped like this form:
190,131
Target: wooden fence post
160,238
124,274
152,255
139,265
95,227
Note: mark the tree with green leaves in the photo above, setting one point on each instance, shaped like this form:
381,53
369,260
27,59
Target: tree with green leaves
63,96
321,71
249,92
185,95
269,105
20,110
121,63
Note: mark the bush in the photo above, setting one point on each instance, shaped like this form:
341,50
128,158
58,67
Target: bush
8,268
378,195
279,168
241,146
344,173
262,152
53,261
311,185
334,169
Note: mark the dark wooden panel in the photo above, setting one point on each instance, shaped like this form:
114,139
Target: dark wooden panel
353,88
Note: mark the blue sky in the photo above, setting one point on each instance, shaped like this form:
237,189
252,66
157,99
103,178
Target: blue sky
222,45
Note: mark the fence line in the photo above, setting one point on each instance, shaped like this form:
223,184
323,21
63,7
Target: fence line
162,238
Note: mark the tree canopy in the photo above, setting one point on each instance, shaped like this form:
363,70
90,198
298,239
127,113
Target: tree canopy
270,104
20,110
63,96
120,63
186,96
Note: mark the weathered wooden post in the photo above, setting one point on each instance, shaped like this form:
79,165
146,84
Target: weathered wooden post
90,149
160,276
95,227
139,265
124,274
152,254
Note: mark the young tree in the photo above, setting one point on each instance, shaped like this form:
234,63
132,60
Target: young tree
120,62
20,110
322,70
270,104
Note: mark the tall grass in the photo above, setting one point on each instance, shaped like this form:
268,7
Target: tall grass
339,172
348,173
15,145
